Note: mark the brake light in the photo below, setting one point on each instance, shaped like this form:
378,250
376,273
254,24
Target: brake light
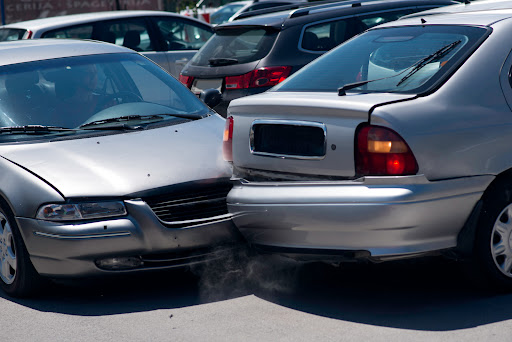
381,151
186,80
262,77
28,34
227,141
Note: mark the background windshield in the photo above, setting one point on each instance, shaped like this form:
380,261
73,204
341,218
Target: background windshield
245,45
67,92
386,56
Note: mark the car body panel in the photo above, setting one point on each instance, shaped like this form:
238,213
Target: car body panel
68,250
386,220
99,167
325,108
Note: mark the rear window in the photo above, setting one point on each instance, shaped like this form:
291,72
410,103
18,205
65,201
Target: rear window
236,45
399,59
11,34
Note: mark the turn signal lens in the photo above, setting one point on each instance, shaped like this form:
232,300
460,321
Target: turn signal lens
381,151
227,141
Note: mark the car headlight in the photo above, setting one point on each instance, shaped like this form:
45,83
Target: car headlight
80,211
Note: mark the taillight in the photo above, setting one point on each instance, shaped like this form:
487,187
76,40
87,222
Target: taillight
28,34
186,80
227,140
262,77
382,152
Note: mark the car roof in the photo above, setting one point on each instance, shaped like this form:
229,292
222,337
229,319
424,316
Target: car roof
327,11
475,18
73,19
21,51
466,7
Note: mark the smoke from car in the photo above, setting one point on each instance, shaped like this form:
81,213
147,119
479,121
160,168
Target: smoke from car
237,274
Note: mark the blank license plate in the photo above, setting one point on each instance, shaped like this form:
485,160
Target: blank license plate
200,85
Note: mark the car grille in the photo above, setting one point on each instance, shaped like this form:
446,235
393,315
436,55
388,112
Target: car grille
293,139
197,203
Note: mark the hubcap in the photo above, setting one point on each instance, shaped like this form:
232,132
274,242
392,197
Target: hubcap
7,252
501,241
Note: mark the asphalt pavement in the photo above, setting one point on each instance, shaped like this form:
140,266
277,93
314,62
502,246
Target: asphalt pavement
267,299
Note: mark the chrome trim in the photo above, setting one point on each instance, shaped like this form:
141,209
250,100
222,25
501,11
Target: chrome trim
199,221
81,237
289,123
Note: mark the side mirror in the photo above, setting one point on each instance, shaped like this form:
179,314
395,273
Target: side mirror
211,97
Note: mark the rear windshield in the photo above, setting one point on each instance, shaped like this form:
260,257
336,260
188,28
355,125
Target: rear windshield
11,34
409,59
238,45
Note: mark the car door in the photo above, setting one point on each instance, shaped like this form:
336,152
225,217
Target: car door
181,40
136,34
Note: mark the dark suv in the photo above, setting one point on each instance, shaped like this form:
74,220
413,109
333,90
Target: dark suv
249,56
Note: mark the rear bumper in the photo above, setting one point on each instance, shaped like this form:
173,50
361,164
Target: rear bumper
377,218
72,250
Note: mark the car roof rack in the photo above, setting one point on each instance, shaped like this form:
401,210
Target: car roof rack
298,5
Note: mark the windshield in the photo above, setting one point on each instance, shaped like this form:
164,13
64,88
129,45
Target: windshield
68,92
242,45
399,59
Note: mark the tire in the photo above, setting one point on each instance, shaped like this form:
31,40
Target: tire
18,277
492,256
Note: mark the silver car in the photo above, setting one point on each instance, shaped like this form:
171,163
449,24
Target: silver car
169,39
108,164
396,144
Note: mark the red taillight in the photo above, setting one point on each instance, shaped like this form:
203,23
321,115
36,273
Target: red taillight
262,77
227,140
186,80
28,34
382,152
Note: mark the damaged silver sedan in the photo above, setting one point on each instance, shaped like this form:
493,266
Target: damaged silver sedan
108,164
394,145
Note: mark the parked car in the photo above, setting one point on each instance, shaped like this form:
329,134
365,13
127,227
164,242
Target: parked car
250,56
169,39
400,149
109,165
230,11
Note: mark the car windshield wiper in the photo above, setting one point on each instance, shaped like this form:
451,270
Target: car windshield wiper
422,62
222,61
415,67
34,129
94,124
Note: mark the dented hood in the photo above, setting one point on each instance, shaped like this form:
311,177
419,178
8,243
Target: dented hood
127,163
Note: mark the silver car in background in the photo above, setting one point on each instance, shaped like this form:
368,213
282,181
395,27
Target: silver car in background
108,164
396,144
169,39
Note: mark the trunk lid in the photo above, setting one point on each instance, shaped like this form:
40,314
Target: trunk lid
301,133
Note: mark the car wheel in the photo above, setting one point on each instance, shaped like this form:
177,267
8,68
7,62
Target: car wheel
18,278
492,257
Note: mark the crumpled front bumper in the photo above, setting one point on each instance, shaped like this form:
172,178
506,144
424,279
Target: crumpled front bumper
377,217
72,249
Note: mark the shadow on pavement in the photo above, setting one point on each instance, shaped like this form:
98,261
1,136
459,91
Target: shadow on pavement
427,294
